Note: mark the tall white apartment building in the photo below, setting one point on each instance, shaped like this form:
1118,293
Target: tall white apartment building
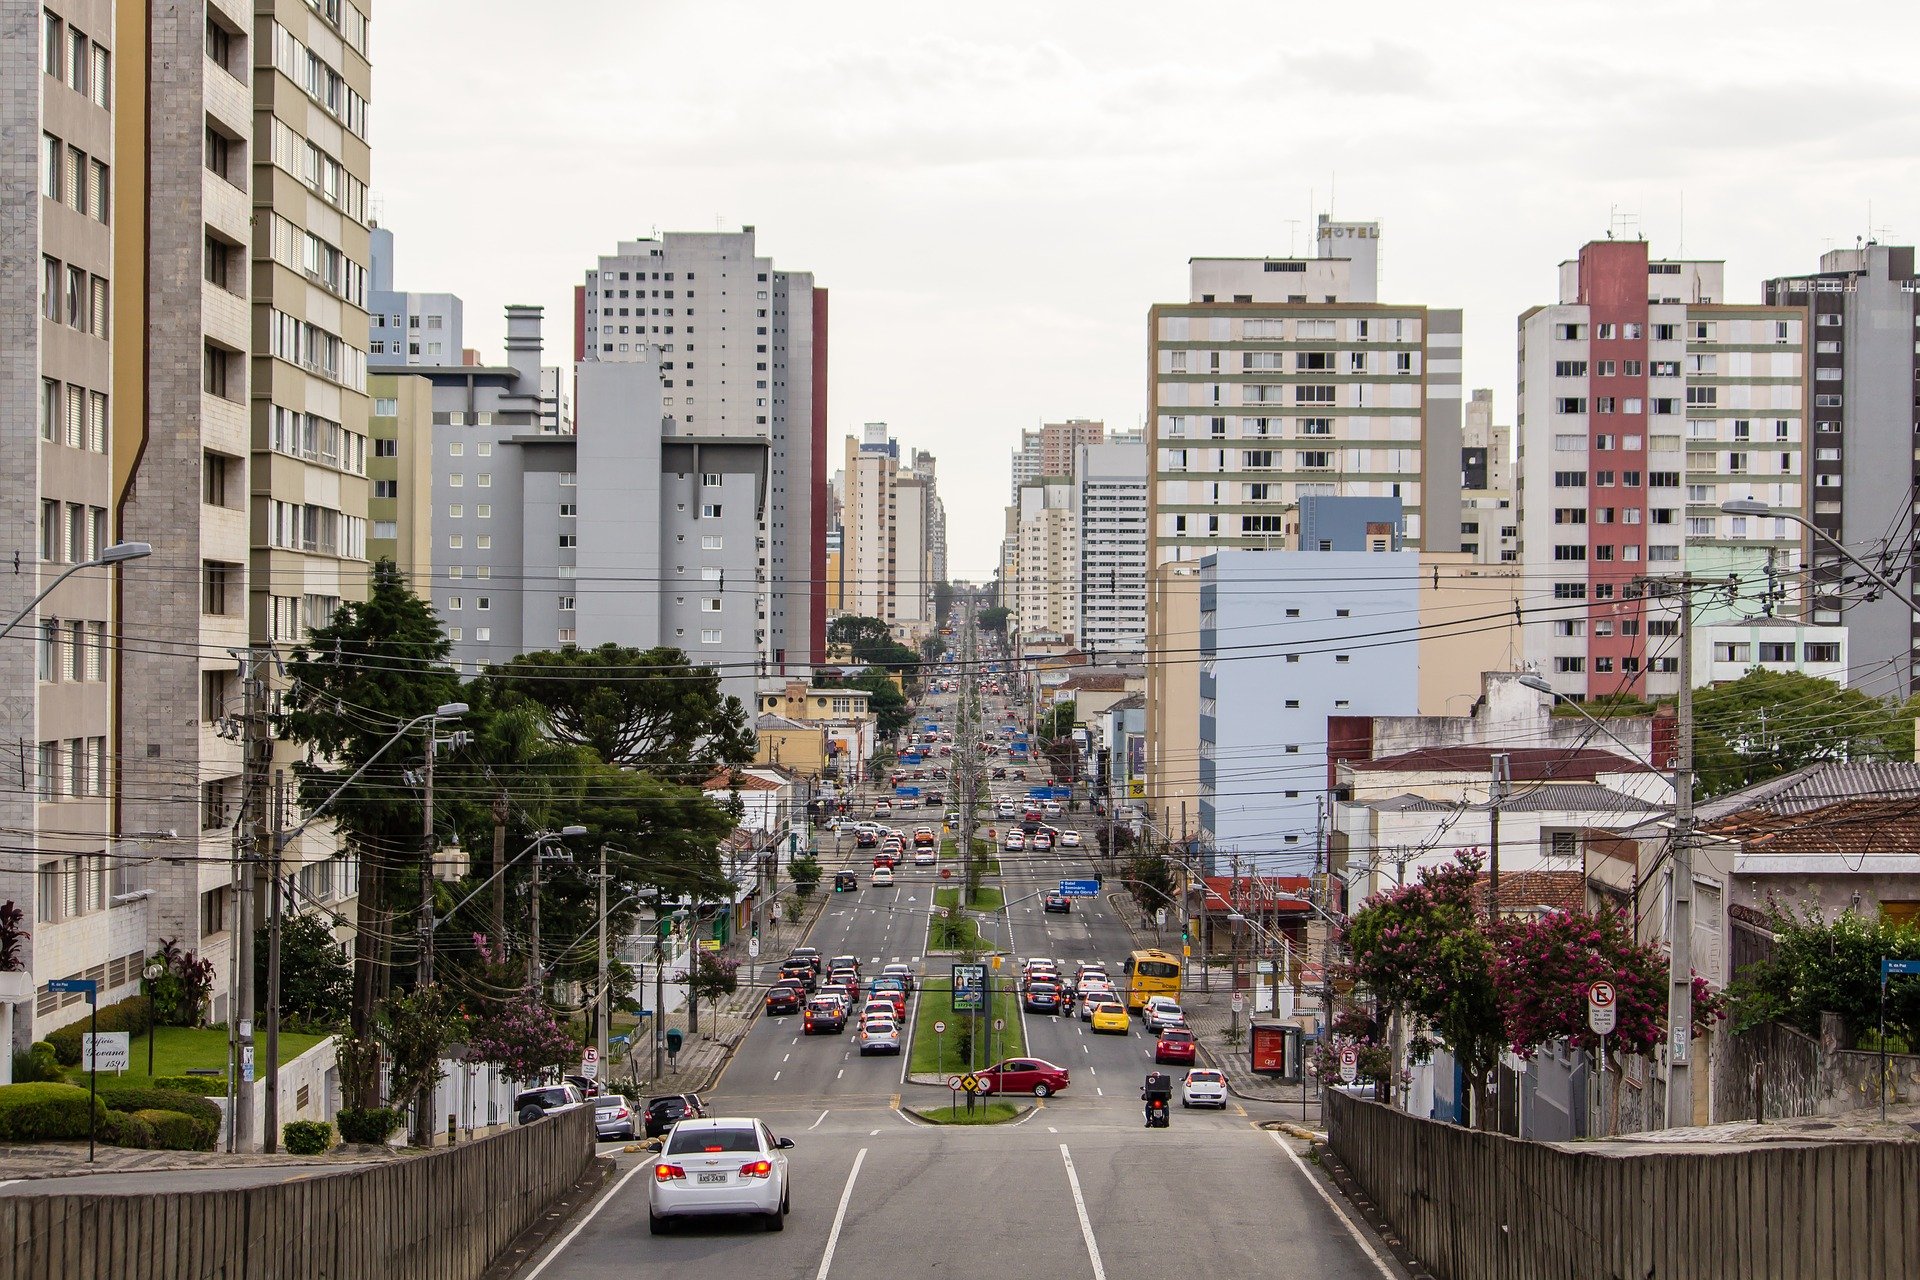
1047,577
1646,400
1110,536
1489,515
893,547
742,351
1282,377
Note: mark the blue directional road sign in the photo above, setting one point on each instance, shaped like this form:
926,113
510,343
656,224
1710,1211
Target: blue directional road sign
86,986
1894,968
1080,888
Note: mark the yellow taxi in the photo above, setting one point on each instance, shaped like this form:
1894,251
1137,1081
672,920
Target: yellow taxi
1111,1016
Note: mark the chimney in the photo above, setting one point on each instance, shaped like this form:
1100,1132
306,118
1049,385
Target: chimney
524,347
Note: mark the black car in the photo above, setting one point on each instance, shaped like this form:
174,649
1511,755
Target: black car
662,1112
530,1105
1043,997
1059,902
846,882
810,955
798,971
786,996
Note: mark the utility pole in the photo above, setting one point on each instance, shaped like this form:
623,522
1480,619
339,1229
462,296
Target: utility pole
270,1139
533,952
1680,930
501,811
659,993
1499,787
426,865
249,844
603,1008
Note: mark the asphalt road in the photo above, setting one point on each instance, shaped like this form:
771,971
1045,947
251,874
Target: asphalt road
1078,1187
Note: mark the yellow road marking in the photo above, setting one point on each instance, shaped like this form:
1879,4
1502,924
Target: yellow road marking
894,1102
1239,1110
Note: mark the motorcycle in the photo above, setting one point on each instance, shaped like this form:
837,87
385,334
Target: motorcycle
1158,1095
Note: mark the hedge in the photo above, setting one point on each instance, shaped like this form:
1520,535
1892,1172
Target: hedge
44,1112
197,1086
373,1125
307,1137
176,1131
202,1114
134,1015
123,1130
38,1064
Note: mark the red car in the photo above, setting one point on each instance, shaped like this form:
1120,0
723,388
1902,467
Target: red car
1023,1075
1175,1045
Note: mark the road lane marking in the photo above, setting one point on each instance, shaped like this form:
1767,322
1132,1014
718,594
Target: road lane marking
839,1217
1051,1129
1099,1092
1359,1239
816,1123
785,1056
1080,1207
776,1075
598,1205
841,1072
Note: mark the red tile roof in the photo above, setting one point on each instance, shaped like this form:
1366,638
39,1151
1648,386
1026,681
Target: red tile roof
724,780
1523,892
1851,827
1529,764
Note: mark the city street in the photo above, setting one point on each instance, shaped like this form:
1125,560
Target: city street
1076,1187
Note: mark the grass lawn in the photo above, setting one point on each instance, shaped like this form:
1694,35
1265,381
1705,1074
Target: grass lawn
941,1053
983,1113
178,1050
990,899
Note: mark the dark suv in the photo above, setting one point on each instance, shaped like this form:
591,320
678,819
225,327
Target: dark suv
663,1111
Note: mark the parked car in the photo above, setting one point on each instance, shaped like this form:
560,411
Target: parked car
548,1099
613,1117
1024,1075
588,1087
1204,1087
723,1166
669,1109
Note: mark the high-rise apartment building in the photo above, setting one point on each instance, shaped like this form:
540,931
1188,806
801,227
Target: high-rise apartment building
1864,308
1489,515
1646,401
1026,461
410,328
893,544
1046,583
1110,539
1277,380
741,350
58,331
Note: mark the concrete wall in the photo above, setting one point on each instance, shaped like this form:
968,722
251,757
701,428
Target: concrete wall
1798,1075
1471,1205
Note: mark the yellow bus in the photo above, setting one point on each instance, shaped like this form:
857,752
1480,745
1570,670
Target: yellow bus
1149,973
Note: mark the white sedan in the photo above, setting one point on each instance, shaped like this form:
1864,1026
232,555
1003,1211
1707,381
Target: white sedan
721,1166
1069,839
1204,1087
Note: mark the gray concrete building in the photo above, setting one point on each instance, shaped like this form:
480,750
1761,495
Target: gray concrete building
1110,508
741,350
409,328
1863,309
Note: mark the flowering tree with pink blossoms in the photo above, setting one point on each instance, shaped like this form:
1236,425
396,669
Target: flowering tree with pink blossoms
517,1033
1547,966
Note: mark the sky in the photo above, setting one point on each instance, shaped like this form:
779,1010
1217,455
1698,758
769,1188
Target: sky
995,193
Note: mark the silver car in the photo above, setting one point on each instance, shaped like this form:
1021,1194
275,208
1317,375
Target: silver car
720,1166
878,1035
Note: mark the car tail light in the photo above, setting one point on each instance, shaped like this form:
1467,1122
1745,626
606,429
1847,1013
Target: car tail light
668,1172
758,1169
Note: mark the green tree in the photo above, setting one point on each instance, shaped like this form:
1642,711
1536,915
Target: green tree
316,978
889,705
414,1029
1059,720
994,619
650,709
804,871
1420,950
942,603
1830,966
1769,723
377,665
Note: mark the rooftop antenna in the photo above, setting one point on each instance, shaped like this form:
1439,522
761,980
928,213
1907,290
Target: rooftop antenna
1681,249
1293,237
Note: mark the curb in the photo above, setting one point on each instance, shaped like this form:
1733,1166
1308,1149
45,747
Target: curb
1020,1113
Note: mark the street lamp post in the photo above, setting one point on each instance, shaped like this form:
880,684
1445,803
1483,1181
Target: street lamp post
118,553
1754,507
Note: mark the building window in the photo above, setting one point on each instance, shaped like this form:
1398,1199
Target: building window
710,635
220,588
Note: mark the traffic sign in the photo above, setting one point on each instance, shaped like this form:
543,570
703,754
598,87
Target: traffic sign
590,1064
999,1024
753,948
1890,968
1349,1065
1603,1010
1079,888
939,1028
970,1082
86,986
1239,1003
953,1082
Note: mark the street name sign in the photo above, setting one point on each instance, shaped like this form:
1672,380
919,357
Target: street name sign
1079,888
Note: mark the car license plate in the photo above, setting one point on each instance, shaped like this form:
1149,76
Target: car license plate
707,1179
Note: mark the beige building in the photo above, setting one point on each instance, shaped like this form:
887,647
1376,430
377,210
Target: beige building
800,747
1173,699
1469,624
1489,511
1046,570
400,475
893,540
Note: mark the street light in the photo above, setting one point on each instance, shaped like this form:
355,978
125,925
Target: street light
118,553
1755,507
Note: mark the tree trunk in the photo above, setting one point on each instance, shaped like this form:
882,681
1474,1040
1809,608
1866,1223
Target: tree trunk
366,952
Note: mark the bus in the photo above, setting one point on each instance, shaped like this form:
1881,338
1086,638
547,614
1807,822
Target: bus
1149,973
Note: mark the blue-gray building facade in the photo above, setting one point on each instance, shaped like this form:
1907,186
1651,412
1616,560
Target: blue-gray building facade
1288,638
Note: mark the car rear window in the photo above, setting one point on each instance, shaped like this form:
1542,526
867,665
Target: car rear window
695,1141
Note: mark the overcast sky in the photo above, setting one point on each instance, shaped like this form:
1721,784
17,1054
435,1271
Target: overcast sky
995,193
